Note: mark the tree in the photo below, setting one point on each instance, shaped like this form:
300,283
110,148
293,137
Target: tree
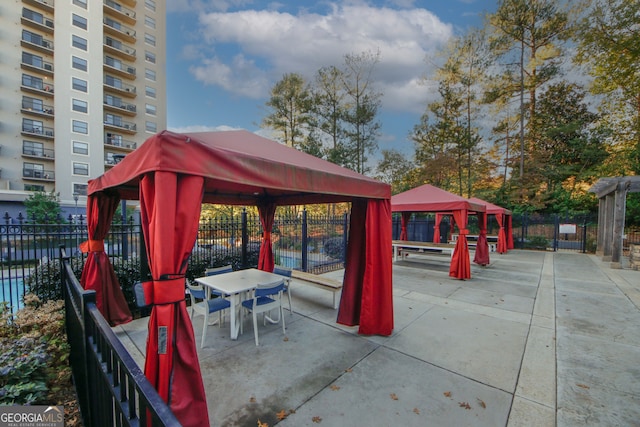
393,169
329,111
526,33
608,42
43,207
290,116
569,149
362,103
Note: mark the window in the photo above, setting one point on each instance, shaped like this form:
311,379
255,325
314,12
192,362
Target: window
33,187
113,139
150,74
31,59
113,81
80,147
80,189
149,39
80,126
79,63
34,170
79,42
36,39
149,22
80,106
32,104
79,21
150,4
151,109
150,57
32,126
80,168
81,3
79,84
150,126
32,148
150,91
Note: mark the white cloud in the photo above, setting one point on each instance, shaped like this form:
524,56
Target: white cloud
273,43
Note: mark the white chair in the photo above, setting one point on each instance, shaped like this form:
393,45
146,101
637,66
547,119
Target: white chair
286,272
201,305
266,297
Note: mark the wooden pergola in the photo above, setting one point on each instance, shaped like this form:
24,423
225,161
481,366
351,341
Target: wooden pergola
612,196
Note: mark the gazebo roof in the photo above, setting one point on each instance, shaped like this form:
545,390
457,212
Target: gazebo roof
428,198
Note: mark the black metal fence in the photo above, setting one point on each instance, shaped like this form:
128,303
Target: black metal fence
314,243
111,388
576,233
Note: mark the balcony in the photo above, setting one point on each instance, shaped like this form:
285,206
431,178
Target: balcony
36,20
35,107
117,141
119,30
117,67
118,11
36,42
113,159
39,175
116,123
38,153
37,131
46,5
42,67
116,47
118,106
130,3
123,89
38,87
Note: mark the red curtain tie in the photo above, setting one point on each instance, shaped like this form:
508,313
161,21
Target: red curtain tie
165,291
92,246
267,235
464,231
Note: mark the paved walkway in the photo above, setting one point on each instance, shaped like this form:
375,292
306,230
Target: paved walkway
534,339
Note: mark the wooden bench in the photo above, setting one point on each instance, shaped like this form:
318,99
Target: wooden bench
321,282
402,247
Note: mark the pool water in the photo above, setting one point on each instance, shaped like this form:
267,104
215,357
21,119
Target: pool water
12,290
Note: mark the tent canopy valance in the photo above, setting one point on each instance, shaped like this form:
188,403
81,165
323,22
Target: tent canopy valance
173,174
505,222
428,198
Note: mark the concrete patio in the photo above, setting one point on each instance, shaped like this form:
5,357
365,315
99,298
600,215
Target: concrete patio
534,339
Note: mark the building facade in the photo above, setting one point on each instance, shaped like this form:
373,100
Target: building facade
82,84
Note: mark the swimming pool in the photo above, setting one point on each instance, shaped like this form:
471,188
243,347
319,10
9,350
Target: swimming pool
12,291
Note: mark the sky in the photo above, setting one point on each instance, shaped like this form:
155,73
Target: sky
224,56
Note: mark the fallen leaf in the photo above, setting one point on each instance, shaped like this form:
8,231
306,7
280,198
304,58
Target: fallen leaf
252,399
292,411
447,393
481,403
583,386
348,370
316,419
282,415
261,424
285,339
464,405
393,396
416,411
335,387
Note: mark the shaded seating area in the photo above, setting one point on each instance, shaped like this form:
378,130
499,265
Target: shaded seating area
504,218
171,175
428,198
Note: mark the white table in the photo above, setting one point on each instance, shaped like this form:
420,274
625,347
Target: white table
236,284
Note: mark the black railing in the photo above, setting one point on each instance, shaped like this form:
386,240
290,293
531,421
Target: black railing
111,388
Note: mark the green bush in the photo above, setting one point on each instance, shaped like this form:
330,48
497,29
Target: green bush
45,280
23,376
536,242
334,248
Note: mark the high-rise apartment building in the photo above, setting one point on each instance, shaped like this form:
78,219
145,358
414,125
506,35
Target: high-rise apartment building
82,84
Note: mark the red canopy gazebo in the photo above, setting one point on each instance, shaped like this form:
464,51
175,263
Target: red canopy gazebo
504,219
428,198
173,174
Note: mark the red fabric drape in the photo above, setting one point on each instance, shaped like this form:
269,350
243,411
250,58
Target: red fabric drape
436,229
267,213
481,256
509,232
169,211
406,216
98,273
502,236
460,267
367,293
